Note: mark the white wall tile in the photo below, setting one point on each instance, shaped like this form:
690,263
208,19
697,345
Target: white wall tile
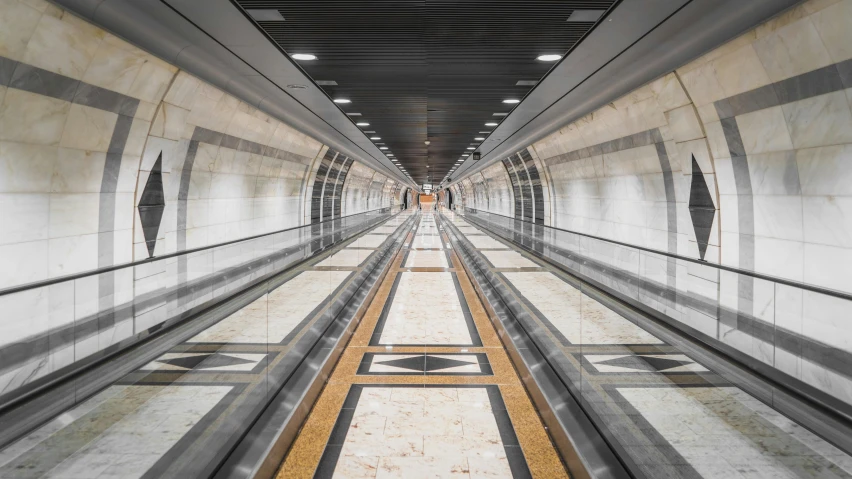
24,217
819,121
764,131
88,128
792,50
65,46
30,118
17,24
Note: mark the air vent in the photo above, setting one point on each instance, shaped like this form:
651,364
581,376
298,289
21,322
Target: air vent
585,15
526,83
297,87
326,83
266,15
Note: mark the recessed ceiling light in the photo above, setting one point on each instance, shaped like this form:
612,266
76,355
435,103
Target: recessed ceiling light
471,148
326,83
354,114
362,123
499,114
342,100
375,138
548,58
479,138
383,148
303,56
491,124
511,100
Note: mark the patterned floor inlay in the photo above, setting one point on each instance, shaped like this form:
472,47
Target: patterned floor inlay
642,363
206,362
460,364
424,388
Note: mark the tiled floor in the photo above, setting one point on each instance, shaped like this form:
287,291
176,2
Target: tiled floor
176,414
424,389
667,414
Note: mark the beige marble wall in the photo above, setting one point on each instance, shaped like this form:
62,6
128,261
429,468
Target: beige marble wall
480,191
500,196
785,185
54,148
622,194
768,119
232,192
84,116
365,189
53,151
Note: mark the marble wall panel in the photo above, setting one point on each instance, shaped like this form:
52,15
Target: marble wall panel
84,118
767,119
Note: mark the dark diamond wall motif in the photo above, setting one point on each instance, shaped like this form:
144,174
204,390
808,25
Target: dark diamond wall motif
701,208
151,205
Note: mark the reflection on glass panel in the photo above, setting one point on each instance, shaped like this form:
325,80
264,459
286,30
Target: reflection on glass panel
663,411
237,319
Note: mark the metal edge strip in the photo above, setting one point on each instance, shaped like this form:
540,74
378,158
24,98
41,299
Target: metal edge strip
261,452
583,448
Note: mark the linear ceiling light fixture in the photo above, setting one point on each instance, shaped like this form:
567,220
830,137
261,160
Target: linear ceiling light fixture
375,138
306,57
342,100
511,101
362,123
491,124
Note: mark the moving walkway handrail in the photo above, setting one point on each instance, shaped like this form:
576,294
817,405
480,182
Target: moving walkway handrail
796,284
107,269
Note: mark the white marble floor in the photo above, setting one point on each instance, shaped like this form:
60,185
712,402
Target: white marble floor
119,433
486,242
410,433
508,259
725,433
426,309
426,240
349,257
426,259
581,319
271,318
370,240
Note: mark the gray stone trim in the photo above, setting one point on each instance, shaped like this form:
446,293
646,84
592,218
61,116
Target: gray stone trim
800,87
32,79
671,212
203,135
636,140
745,221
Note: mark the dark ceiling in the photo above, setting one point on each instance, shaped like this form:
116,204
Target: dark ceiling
433,70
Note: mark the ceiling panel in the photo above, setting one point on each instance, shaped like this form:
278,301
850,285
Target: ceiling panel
427,70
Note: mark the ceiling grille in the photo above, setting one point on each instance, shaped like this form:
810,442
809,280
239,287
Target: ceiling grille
433,70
